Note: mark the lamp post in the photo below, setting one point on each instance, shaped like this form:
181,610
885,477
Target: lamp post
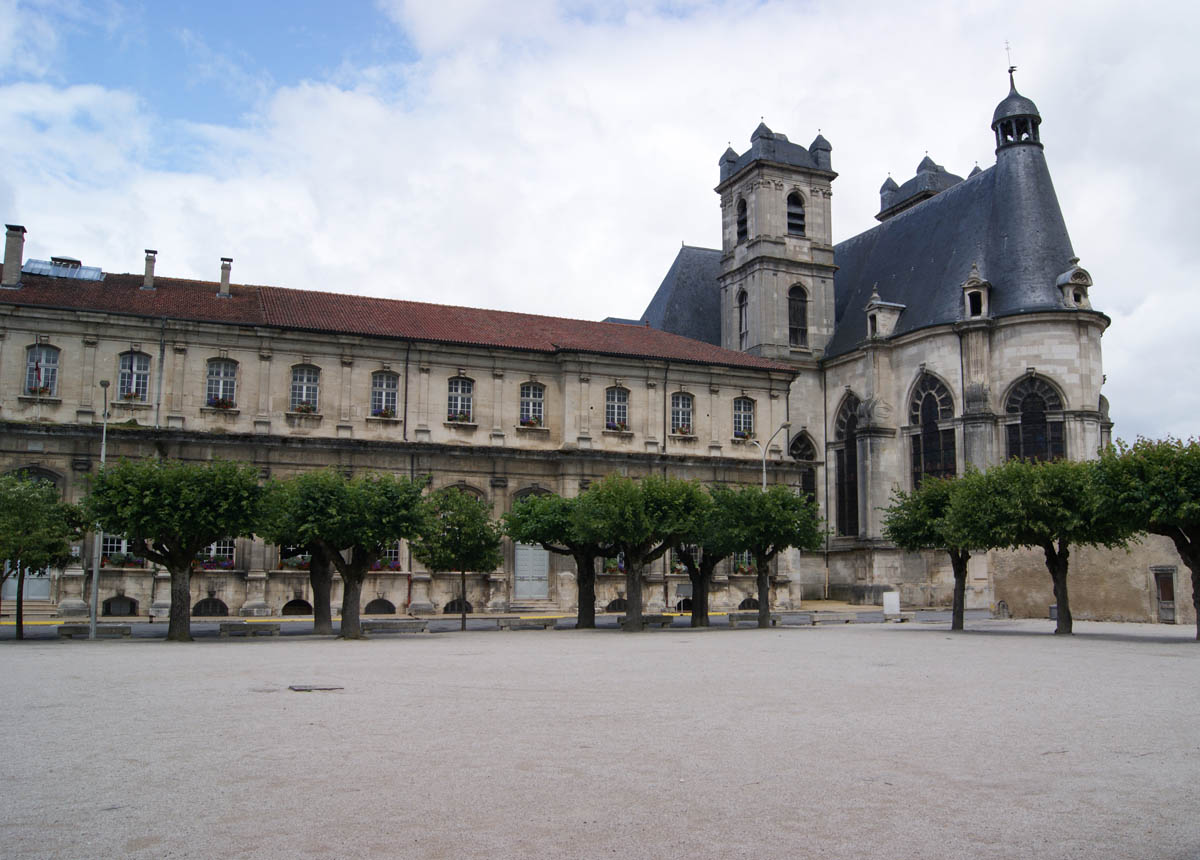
99,534
785,425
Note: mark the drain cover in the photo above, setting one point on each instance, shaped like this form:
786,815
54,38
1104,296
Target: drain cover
311,688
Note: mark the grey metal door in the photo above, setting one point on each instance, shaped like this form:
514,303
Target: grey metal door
1164,586
533,573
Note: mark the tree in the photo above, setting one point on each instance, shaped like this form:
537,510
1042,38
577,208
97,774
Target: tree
456,533
1154,486
1051,505
715,539
170,511
36,530
917,521
343,522
769,522
642,520
551,521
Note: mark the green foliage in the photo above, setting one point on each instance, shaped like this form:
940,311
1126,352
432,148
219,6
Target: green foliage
171,510
456,533
544,520
36,526
765,523
1154,485
642,519
918,520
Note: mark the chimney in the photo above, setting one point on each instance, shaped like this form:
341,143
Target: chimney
14,250
226,265
148,284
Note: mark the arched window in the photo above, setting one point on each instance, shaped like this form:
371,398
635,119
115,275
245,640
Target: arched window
533,401
133,381
221,389
459,397
306,389
798,316
681,414
846,481
616,409
804,451
933,447
742,319
385,386
1038,435
795,214
41,371
743,418
742,224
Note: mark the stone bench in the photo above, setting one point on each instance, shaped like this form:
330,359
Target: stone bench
105,631
395,625
820,618
899,617
527,623
750,618
649,621
246,628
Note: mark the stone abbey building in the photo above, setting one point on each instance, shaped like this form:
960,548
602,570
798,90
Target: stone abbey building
958,331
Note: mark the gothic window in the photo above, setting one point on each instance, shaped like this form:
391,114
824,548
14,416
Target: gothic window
798,316
385,387
41,371
460,391
795,214
133,381
616,409
743,418
1038,434
533,400
681,414
933,447
804,452
742,226
221,385
306,389
846,462
742,319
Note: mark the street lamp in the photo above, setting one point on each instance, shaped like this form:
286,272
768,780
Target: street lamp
785,425
99,534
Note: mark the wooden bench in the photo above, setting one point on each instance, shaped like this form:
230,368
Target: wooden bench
750,618
527,623
395,625
245,628
105,631
648,621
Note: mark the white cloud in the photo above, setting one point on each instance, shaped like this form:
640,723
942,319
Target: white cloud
551,158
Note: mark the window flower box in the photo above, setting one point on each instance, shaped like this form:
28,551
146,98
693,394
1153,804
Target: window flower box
122,559
743,434
617,426
387,565
39,390
531,422
459,417
745,570
304,407
682,430
130,396
296,562
612,565
383,413
220,403
214,563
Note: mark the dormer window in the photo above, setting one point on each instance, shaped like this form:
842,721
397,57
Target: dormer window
742,222
975,304
795,214
873,320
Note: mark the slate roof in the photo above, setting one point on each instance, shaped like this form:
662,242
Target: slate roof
333,313
930,179
688,301
766,145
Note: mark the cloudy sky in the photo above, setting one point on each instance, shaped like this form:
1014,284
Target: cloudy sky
551,156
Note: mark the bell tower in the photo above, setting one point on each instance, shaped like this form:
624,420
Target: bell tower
777,248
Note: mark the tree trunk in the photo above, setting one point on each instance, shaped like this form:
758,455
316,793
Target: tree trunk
179,623
351,598
1189,553
761,569
20,603
462,598
958,561
633,595
1056,563
320,577
585,581
700,580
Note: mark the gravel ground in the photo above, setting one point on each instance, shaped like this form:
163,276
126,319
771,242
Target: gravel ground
881,740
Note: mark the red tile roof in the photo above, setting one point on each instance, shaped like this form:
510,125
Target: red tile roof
337,313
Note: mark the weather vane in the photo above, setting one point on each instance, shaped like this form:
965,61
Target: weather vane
1008,52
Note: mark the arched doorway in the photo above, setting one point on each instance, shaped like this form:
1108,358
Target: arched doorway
379,606
120,606
297,607
210,607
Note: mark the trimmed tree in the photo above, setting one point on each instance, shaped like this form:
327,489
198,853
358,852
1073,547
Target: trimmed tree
1154,486
717,537
36,530
456,532
917,521
550,522
343,522
642,520
170,511
1050,505
770,522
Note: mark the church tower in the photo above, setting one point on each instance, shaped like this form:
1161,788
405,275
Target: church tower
777,250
